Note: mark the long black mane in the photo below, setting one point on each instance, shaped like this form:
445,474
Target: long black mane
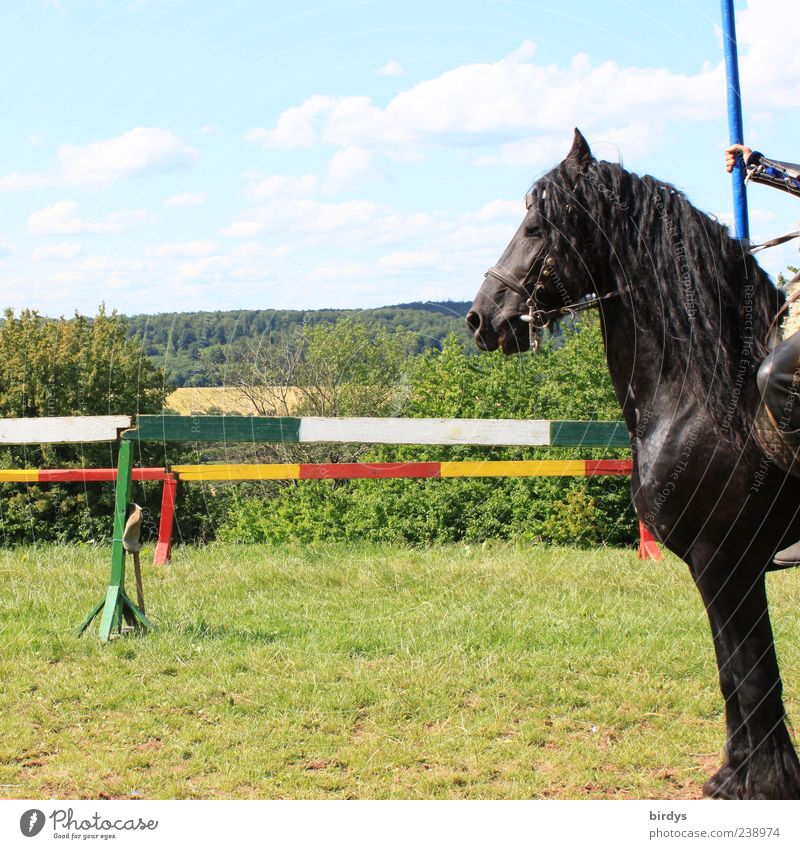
687,278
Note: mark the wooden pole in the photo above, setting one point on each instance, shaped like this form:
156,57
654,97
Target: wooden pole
117,606
648,547
164,545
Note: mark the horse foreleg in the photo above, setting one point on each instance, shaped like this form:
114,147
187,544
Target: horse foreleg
726,783
762,762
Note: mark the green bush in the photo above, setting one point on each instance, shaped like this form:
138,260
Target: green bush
568,380
70,367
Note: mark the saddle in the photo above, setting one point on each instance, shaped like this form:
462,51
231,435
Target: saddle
781,447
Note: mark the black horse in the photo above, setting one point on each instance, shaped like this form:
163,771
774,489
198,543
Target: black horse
686,313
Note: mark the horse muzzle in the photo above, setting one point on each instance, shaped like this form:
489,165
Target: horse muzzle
510,334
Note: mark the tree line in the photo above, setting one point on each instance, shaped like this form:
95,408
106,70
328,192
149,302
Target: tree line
182,342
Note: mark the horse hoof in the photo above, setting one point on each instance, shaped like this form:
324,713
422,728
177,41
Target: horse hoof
770,772
724,784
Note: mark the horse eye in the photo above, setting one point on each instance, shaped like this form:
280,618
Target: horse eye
532,232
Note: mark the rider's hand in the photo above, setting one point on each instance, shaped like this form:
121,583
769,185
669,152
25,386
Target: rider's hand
730,155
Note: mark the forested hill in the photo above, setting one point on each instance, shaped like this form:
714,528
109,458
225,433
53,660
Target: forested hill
176,339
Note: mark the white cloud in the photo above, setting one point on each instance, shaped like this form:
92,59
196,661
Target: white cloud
186,249
353,254
525,51
762,216
770,66
95,274
348,166
502,210
391,69
295,127
351,273
409,260
263,188
755,216
360,253
187,199
345,168
35,141
16,291
17,181
409,153
6,248
473,235
302,216
141,152
516,109
203,268
326,217
62,218
258,250
481,104
57,253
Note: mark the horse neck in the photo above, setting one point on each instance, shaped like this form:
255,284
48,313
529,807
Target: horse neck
633,356
673,342
650,376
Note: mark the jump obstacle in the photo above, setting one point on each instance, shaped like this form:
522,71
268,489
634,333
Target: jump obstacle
117,606
80,430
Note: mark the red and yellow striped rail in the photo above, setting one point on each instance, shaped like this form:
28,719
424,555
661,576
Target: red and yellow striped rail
354,471
325,471
76,475
164,544
648,548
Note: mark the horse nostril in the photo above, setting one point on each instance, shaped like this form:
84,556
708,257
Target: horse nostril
473,322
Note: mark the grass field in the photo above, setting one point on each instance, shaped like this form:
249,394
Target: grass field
367,672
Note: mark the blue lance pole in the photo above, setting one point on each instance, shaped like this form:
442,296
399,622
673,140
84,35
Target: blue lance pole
735,117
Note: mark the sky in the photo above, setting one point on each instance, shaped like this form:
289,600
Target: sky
161,155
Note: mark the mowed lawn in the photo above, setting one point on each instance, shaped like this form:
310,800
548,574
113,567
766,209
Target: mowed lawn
367,672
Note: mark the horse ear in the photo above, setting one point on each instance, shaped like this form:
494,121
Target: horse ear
580,153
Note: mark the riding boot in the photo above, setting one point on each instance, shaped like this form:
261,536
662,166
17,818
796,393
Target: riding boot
779,382
788,556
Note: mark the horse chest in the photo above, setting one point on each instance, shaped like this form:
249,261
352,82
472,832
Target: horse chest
672,489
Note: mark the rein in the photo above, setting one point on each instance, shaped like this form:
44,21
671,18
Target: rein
771,243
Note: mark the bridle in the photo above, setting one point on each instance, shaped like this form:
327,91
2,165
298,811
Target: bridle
540,321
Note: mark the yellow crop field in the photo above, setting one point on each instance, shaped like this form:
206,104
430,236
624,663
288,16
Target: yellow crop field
205,399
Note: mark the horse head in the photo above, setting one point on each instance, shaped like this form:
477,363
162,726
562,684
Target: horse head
550,268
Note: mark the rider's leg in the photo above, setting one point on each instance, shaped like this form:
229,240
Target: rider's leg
779,383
